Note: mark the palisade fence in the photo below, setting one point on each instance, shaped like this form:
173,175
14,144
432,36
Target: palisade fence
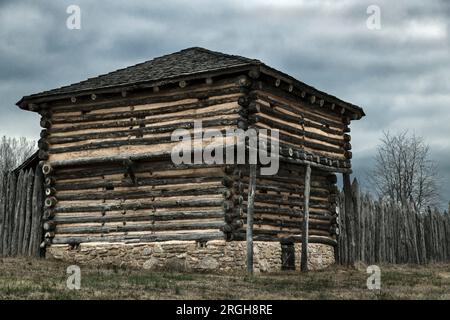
382,231
21,203
373,231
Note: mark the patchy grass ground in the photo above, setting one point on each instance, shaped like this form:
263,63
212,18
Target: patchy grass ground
44,279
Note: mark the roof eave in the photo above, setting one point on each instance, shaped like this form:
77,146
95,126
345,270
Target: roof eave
37,98
356,110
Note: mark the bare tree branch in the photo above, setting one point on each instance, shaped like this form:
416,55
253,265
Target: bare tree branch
404,171
13,152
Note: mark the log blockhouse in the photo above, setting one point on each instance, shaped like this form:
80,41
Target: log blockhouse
109,179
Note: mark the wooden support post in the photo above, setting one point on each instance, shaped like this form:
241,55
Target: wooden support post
348,205
250,208
305,229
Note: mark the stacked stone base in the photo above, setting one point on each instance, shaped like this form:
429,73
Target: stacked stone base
216,255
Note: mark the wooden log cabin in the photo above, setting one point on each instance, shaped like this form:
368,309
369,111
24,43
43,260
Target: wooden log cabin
109,179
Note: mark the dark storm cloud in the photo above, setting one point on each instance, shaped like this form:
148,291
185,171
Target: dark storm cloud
399,74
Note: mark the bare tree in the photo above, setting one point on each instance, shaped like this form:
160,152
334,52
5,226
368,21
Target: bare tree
13,152
404,171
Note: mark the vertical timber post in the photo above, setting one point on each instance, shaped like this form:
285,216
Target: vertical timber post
250,208
348,205
305,229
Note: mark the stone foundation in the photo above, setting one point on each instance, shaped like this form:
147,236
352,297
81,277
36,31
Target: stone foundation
216,255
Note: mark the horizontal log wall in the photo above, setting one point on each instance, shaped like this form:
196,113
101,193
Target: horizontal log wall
303,124
137,125
279,205
157,201
146,200
137,199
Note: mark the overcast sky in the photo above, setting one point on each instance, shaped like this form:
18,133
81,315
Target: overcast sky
400,73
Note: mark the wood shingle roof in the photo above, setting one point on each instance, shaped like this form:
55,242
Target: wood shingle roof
187,62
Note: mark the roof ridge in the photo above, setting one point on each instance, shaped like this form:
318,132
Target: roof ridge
222,54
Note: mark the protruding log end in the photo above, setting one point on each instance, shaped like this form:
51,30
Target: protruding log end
227,182
47,169
45,113
242,124
44,134
50,202
227,194
49,213
277,82
228,205
50,191
43,155
347,138
45,243
43,144
244,81
334,230
254,107
244,101
254,73
49,181
49,235
49,225
227,228
46,123
290,152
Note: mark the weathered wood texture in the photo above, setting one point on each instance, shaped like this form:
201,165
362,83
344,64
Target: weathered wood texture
21,209
196,201
157,200
279,204
140,125
304,125
305,227
109,176
250,209
386,232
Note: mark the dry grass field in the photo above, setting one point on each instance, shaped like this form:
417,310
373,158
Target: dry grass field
44,279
